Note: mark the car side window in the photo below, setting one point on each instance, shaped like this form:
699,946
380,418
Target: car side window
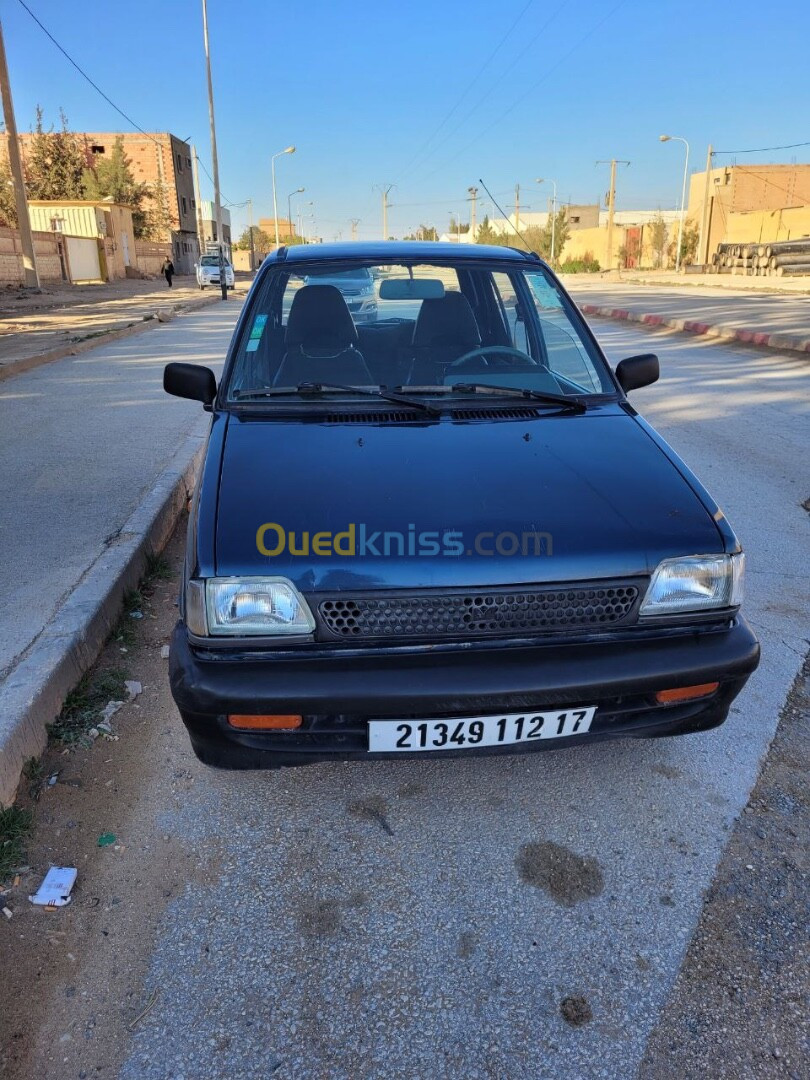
566,352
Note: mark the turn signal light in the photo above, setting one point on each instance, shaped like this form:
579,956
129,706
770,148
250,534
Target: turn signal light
686,693
265,723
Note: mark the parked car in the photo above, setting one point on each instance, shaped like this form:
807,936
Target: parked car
356,286
447,531
208,272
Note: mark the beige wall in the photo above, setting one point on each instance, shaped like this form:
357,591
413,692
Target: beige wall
46,248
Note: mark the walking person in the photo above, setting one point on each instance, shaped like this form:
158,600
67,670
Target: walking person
168,270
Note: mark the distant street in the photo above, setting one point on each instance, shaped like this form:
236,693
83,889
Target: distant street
82,441
767,312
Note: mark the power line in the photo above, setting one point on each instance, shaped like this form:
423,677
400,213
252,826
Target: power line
549,71
98,89
84,74
764,149
493,86
468,88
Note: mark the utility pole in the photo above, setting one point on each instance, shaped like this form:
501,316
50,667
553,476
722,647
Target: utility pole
384,190
30,274
195,175
611,205
250,233
354,222
517,208
214,160
473,196
703,248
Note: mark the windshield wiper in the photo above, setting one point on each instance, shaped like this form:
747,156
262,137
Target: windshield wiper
519,391
328,388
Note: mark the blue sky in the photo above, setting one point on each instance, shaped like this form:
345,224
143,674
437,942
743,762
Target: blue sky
428,95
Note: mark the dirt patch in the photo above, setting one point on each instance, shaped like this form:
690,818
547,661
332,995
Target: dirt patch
79,973
567,877
467,943
410,790
575,1010
319,918
669,771
373,808
739,1005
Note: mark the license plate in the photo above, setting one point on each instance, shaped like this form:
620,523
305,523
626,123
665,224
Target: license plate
466,733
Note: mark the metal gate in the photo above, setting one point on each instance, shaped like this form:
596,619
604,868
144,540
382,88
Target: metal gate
83,259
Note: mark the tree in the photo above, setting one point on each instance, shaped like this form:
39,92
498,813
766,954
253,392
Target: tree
658,240
261,241
424,232
486,234
55,162
560,232
8,204
689,244
456,227
157,219
111,177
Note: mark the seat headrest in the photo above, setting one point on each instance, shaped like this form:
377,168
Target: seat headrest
320,319
446,321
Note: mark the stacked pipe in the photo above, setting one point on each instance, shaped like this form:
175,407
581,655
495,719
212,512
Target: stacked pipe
785,258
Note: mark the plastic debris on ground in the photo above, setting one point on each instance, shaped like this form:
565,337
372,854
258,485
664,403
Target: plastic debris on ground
7,912
164,652
133,688
106,839
55,889
109,710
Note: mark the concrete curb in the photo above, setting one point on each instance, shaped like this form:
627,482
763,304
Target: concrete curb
688,326
73,348
35,690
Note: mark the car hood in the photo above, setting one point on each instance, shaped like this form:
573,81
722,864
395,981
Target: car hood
559,498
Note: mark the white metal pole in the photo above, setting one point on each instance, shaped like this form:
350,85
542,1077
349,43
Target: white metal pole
683,203
275,202
30,273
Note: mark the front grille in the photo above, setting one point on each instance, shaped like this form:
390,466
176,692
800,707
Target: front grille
478,614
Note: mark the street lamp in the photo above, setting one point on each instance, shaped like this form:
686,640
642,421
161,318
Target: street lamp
288,150
679,138
297,191
543,180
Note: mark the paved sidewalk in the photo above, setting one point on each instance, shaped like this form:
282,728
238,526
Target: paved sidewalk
765,319
40,327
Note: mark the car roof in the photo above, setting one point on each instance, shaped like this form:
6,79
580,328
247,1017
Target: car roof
397,250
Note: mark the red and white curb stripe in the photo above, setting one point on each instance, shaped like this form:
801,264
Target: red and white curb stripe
689,326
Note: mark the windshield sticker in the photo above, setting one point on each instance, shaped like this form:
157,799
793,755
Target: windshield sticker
544,292
259,324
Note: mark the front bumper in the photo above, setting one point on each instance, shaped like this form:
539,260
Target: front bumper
337,691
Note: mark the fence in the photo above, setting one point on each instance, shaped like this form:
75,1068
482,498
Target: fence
49,251
149,255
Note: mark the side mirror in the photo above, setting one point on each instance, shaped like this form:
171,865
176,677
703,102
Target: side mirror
190,381
638,371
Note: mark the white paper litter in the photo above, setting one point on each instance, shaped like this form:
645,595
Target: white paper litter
133,688
110,709
164,652
55,889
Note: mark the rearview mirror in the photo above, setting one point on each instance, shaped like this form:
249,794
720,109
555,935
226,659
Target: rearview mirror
190,381
411,289
637,371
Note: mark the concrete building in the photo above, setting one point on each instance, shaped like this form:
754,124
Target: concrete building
163,163
745,189
286,229
209,227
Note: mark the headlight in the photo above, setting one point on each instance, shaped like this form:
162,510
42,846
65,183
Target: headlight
250,606
695,583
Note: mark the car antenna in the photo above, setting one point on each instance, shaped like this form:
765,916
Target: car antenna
492,197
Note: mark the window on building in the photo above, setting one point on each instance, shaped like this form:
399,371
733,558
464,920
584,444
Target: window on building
193,204
574,219
96,149
184,204
179,163
57,224
185,246
188,162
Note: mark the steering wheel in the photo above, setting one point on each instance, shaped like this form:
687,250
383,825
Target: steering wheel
497,350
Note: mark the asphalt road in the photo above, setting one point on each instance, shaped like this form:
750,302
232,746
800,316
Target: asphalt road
82,440
520,917
765,312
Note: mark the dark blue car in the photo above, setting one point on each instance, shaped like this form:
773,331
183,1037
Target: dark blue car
443,531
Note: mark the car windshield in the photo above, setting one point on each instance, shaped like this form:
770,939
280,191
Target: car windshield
441,330
212,260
